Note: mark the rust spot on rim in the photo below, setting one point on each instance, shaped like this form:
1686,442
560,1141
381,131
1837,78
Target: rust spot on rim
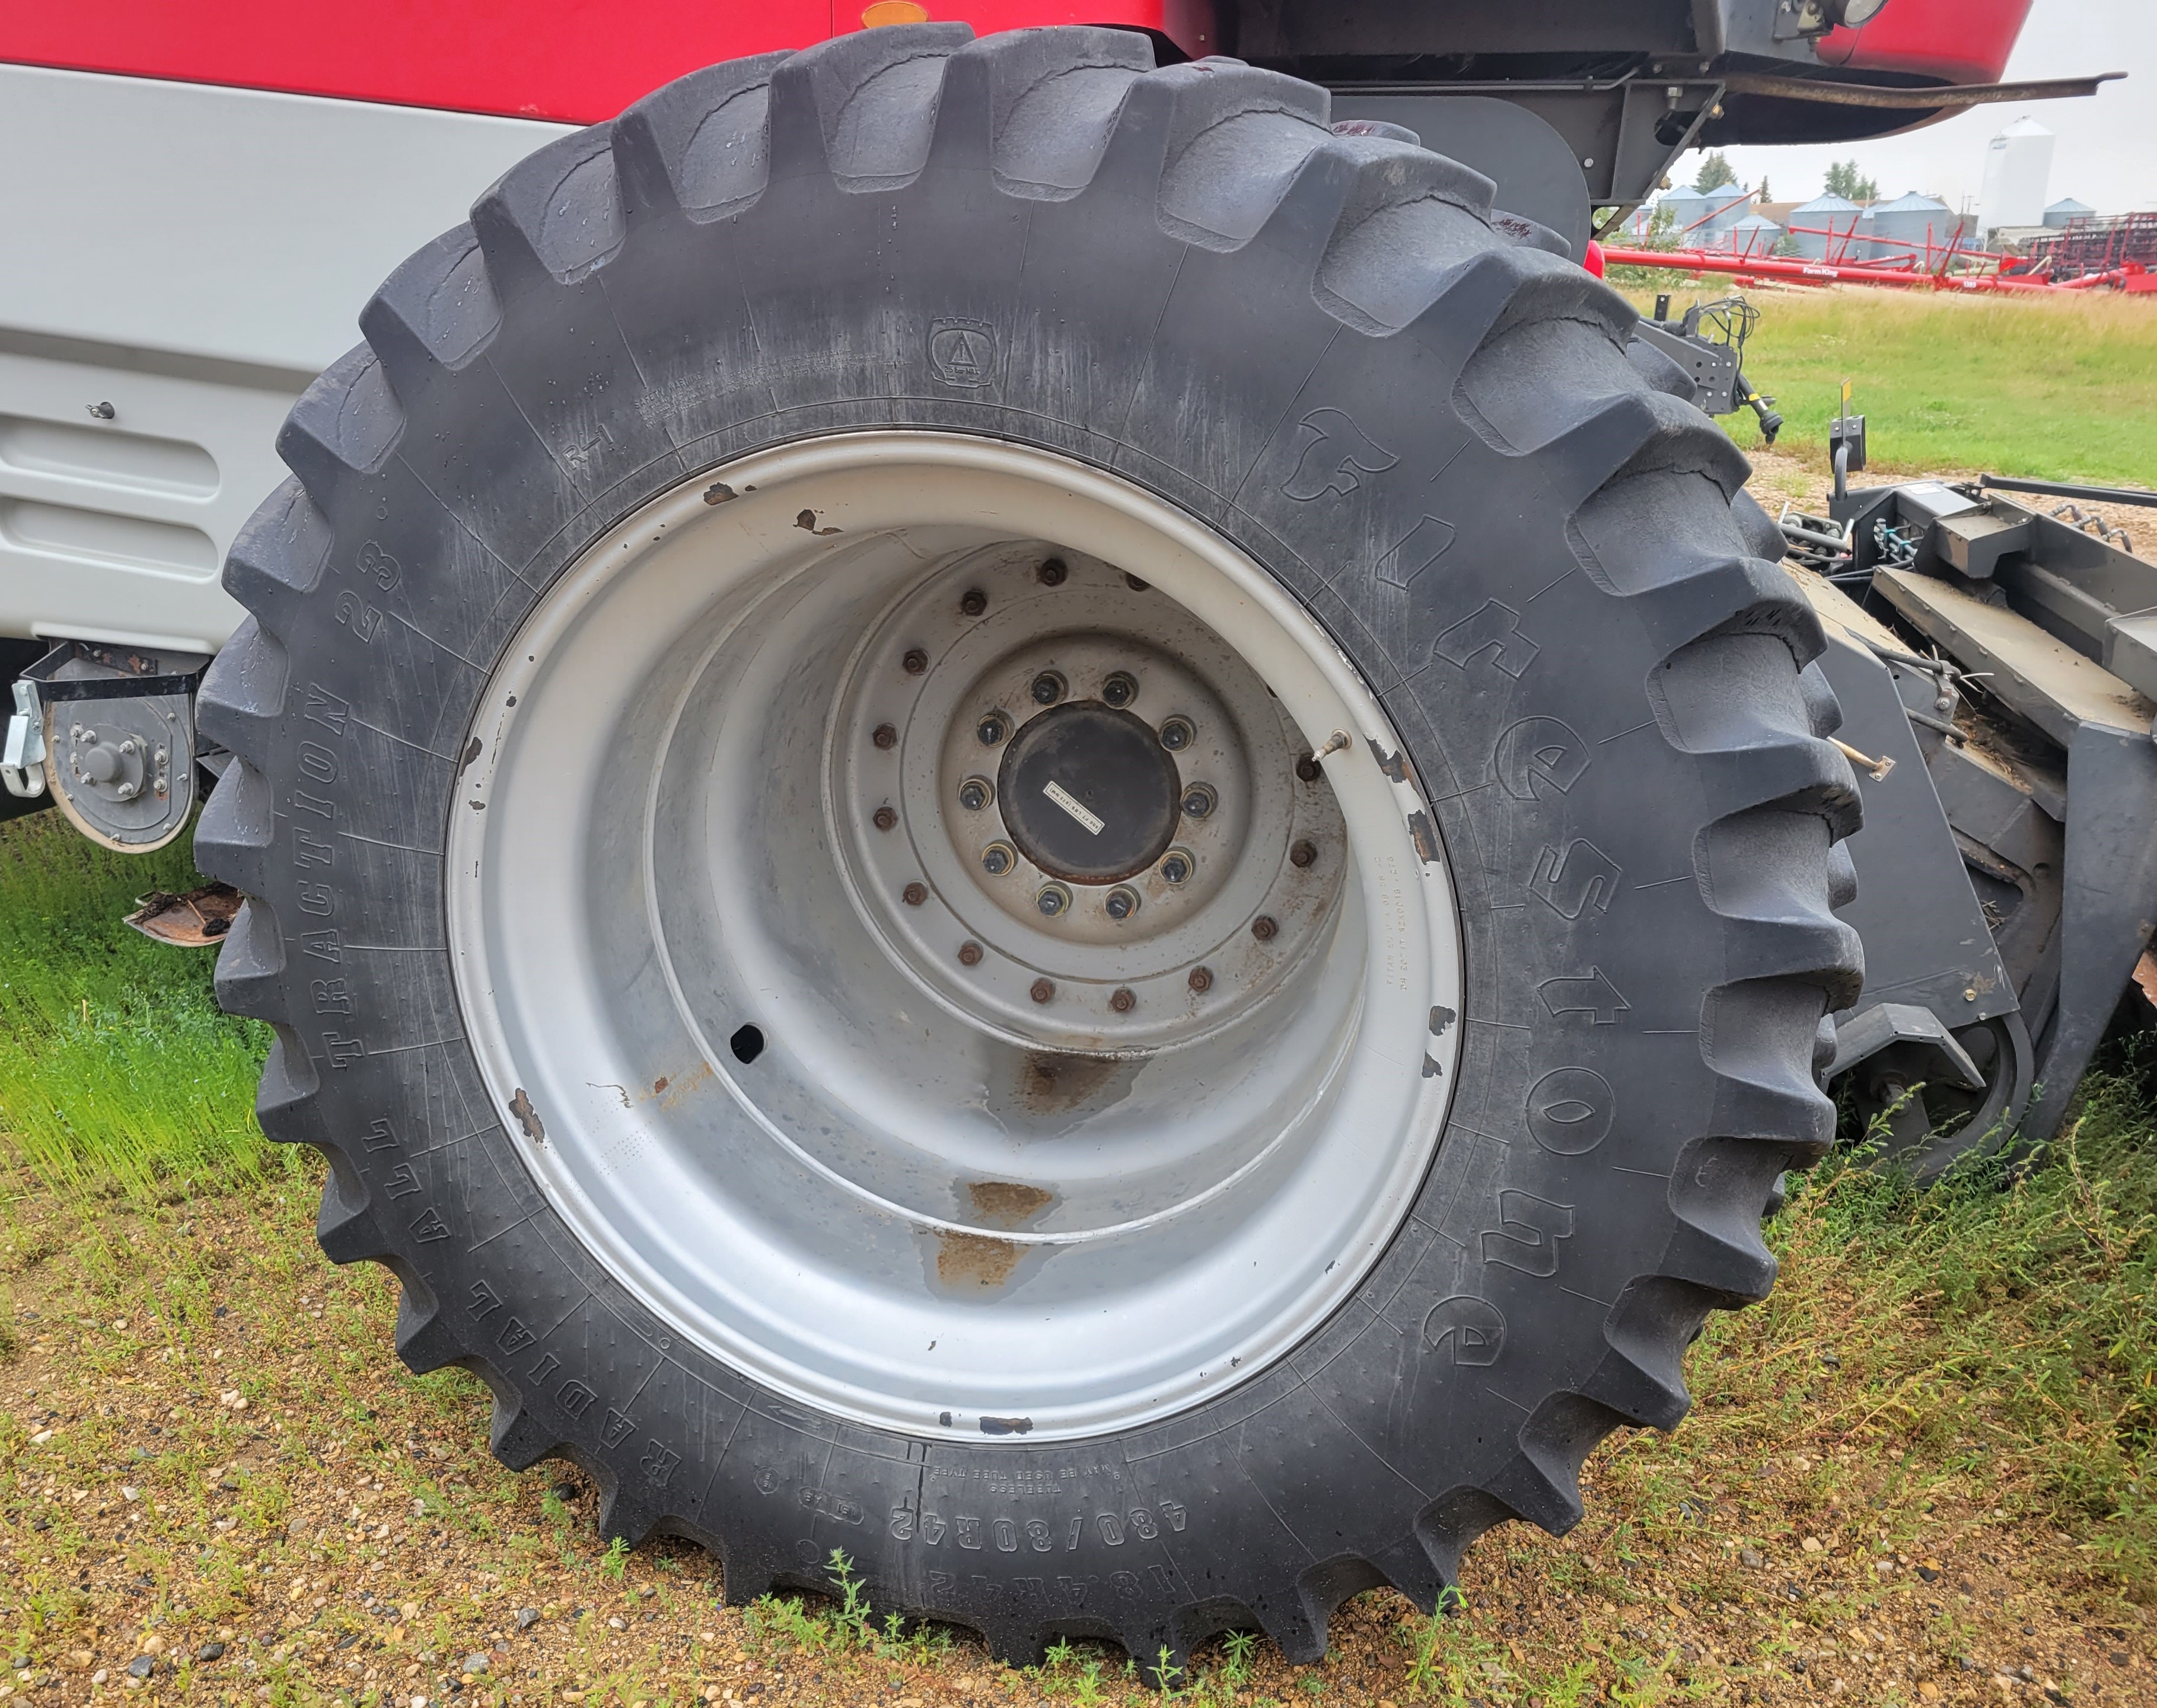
974,1260
1008,1203
1425,838
528,1118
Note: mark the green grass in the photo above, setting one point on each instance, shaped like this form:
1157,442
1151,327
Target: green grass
118,1073
2000,1330
2050,388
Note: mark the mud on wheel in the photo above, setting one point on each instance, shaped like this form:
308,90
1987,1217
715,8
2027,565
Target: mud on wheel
1005,811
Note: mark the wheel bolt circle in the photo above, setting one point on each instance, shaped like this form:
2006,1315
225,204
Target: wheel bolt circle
1301,854
1042,990
1052,902
1053,572
1136,585
914,894
976,793
1263,927
1197,801
1307,767
1121,902
885,737
998,858
1201,979
1119,690
973,602
991,729
915,662
885,819
1178,734
1123,999
969,953
1176,868
1047,688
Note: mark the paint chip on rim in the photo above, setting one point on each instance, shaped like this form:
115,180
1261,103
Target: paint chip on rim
1077,808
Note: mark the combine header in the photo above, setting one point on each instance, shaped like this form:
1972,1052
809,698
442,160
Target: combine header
1788,270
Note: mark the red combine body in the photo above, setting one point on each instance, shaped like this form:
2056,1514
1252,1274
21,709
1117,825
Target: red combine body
1952,41
583,60
578,61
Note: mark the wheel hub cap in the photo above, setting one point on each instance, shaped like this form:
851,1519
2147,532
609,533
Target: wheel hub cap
1088,793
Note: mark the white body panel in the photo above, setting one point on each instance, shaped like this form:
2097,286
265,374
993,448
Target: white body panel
191,256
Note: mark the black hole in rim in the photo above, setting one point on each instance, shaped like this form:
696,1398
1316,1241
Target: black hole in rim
747,1043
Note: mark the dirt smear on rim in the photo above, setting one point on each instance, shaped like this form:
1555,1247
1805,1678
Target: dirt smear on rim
1050,1083
1007,1203
975,1261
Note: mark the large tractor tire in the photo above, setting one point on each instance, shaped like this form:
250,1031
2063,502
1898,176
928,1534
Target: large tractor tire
1005,813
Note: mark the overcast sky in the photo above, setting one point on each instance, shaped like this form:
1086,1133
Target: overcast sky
2107,151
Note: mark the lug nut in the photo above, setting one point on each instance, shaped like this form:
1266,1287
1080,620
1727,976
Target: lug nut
1121,902
1042,991
914,895
969,953
1301,854
915,662
1178,734
973,601
992,729
885,818
1136,585
1119,690
1053,572
998,858
1201,979
1047,688
1175,866
885,737
1197,801
1307,767
976,793
1123,999
1052,902
1265,928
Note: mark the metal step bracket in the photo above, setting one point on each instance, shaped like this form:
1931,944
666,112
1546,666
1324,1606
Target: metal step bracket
22,762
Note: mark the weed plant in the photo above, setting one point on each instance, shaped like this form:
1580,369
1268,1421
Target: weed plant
2004,1321
118,1074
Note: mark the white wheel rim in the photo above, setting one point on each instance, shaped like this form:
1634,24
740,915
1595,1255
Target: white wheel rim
932,1202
